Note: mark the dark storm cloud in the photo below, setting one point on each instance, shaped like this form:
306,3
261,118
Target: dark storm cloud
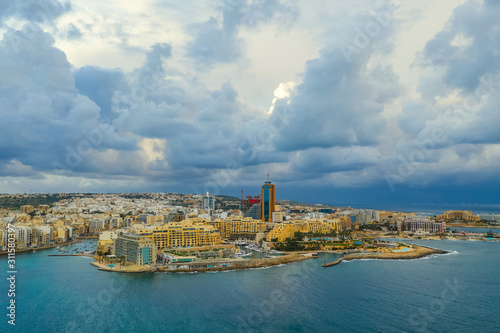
467,52
159,125
323,161
337,104
43,117
466,64
217,40
99,85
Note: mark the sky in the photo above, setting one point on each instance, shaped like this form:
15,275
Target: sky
360,101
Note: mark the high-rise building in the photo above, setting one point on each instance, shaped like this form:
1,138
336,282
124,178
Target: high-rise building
135,248
268,201
254,212
208,201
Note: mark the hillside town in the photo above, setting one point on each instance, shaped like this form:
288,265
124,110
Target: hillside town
182,231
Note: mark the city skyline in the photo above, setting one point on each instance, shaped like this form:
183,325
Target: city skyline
383,101
250,165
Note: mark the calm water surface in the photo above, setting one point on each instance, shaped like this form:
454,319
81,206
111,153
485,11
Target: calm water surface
449,293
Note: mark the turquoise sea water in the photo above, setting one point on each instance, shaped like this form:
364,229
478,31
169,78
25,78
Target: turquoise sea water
474,230
426,208
458,292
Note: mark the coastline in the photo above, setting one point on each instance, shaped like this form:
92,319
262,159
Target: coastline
41,248
202,266
235,264
453,237
417,253
414,252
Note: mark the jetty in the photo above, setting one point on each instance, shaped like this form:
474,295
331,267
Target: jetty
333,263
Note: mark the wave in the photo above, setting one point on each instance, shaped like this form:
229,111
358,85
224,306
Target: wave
450,253
431,256
223,271
258,268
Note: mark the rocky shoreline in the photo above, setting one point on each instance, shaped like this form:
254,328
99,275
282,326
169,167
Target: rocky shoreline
417,252
235,265
414,252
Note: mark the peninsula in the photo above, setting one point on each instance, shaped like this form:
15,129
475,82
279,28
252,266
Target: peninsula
172,232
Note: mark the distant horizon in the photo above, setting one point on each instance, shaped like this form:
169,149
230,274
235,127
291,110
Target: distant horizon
409,206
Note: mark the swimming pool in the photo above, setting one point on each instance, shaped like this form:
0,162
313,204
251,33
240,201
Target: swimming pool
402,250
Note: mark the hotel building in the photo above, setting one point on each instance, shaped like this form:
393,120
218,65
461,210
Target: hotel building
188,233
240,229
135,248
462,215
422,226
283,231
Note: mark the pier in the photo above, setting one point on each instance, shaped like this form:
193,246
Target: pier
333,263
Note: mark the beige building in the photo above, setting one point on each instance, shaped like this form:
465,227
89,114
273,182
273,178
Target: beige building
43,208
283,231
187,233
27,209
106,240
462,215
42,236
64,234
278,217
241,229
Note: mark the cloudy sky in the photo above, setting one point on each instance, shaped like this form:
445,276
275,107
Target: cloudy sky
340,101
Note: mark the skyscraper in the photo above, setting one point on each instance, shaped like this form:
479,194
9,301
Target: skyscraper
208,201
268,202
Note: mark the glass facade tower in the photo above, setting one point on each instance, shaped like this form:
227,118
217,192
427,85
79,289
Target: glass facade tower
268,202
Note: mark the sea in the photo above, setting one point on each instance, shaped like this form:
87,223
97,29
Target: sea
455,292
427,208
